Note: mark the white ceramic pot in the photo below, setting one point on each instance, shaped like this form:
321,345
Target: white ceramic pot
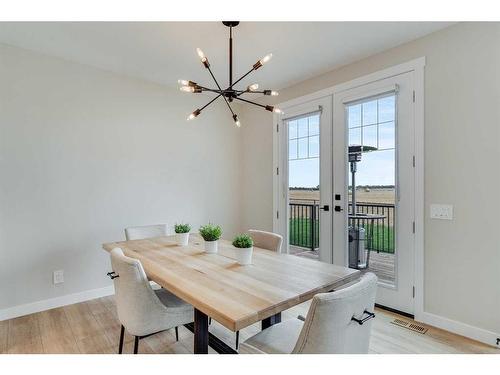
244,255
211,247
182,239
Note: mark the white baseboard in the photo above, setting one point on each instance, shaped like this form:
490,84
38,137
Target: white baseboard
30,308
462,329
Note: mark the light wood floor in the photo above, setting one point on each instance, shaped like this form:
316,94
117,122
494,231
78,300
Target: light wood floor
93,327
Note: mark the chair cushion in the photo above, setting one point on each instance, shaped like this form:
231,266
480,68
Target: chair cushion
171,301
277,339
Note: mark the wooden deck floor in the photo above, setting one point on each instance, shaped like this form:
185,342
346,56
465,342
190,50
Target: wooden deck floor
381,264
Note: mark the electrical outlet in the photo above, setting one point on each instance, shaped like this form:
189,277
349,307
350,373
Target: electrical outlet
58,277
442,211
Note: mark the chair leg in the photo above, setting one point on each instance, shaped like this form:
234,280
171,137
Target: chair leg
176,333
237,339
122,334
136,344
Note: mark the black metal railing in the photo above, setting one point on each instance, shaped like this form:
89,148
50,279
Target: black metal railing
304,224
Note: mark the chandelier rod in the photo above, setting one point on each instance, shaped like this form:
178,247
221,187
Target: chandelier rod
248,101
217,83
230,57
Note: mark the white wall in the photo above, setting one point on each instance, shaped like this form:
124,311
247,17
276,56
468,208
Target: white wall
462,155
85,153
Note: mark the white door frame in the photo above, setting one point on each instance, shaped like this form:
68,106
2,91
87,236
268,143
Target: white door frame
417,67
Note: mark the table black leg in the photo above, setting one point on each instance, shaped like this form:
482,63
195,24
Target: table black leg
200,332
273,319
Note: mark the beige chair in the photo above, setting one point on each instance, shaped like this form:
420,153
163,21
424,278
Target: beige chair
337,322
143,311
147,231
266,240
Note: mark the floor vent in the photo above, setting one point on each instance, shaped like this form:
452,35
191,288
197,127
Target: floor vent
411,326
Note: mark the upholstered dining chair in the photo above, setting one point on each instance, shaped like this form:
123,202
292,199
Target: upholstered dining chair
337,322
143,311
266,240
146,231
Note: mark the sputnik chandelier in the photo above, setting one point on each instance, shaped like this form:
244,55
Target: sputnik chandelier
230,93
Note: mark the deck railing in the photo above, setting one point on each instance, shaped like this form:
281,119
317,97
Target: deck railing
304,224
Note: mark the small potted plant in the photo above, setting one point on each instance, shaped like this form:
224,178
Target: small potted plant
211,234
244,249
182,234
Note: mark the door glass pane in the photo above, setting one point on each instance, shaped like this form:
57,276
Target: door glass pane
355,136
369,113
314,125
292,129
354,115
387,136
292,149
303,127
370,135
303,182
303,147
372,200
314,146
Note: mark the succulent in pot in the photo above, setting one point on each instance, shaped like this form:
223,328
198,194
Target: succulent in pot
182,234
244,249
211,234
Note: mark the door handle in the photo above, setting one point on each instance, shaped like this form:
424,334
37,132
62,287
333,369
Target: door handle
338,209
325,208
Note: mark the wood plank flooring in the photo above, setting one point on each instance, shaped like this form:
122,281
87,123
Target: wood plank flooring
93,327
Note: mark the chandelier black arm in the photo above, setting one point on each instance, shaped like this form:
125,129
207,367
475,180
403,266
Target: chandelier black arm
217,83
248,101
210,102
243,76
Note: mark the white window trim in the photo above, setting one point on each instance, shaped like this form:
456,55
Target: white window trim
417,66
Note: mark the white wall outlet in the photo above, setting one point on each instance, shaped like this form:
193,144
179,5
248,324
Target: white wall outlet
442,211
58,277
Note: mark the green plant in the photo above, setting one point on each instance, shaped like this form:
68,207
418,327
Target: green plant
182,228
210,232
243,241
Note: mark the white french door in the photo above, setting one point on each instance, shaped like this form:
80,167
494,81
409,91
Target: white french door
304,176
378,116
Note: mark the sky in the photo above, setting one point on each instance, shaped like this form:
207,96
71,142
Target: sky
370,123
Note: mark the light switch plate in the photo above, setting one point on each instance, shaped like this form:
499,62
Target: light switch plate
442,211
58,277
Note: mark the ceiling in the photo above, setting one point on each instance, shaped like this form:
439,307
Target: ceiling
163,52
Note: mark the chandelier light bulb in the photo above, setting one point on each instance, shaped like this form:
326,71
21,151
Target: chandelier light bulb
183,82
253,87
274,93
187,88
194,114
202,56
278,111
236,121
266,58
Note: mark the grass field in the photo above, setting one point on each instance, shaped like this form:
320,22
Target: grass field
300,235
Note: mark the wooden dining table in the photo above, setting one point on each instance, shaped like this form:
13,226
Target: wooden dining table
236,296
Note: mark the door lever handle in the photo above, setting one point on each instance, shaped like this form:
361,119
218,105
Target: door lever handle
338,209
325,208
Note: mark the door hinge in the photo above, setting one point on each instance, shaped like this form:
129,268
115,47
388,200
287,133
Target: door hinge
413,96
413,227
413,161
277,214
277,170
413,292
277,128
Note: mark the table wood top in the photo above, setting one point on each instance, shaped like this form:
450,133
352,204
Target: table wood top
236,296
